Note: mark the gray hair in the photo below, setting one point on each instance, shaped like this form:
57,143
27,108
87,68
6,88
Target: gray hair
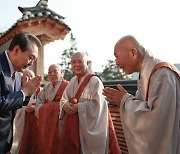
83,54
56,65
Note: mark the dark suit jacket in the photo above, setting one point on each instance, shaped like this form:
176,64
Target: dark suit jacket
9,100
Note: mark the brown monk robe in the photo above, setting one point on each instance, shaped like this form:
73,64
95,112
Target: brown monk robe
70,140
48,134
41,135
86,123
29,139
44,136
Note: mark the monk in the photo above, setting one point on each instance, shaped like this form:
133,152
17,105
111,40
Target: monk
151,118
45,136
19,119
85,114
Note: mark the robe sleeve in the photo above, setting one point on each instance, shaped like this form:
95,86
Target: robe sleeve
40,101
64,99
93,117
149,121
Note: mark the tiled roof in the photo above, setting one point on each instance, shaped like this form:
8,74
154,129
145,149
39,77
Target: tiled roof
40,10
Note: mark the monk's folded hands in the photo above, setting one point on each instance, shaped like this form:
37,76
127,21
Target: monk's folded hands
114,95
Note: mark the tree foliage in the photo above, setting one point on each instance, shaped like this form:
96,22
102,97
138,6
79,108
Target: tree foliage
66,58
112,72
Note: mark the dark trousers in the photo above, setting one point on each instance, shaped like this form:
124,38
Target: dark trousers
3,145
8,146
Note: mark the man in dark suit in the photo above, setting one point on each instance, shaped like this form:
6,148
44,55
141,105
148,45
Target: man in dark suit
22,53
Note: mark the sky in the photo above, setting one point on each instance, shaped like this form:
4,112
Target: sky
98,24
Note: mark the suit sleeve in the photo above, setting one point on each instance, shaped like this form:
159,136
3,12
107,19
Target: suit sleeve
11,101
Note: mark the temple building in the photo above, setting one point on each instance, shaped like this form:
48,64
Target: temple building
41,21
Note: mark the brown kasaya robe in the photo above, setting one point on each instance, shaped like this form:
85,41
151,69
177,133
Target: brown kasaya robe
41,136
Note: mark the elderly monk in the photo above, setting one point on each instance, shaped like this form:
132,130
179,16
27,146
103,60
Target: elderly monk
19,119
85,113
151,118
46,137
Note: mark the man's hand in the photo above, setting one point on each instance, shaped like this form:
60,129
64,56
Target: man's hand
113,95
29,86
68,108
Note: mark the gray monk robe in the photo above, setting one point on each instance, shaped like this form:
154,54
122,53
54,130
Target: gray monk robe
93,115
153,126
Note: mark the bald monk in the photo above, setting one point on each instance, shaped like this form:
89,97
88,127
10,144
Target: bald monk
88,128
151,118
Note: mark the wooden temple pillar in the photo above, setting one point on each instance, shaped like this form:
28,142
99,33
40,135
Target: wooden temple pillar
41,21
38,67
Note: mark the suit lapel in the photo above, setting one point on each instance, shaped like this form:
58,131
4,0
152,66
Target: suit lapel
5,65
6,80
6,75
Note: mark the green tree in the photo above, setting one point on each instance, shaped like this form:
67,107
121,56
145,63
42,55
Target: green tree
112,72
66,58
